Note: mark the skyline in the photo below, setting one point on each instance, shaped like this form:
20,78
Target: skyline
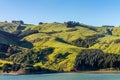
91,12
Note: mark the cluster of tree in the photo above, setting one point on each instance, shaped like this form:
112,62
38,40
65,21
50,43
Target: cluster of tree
61,56
7,50
107,26
4,47
18,22
71,24
24,69
88,41
12,50
20,27
3,55
117,41
10,67
24,61
30,57
41,23
60,40
95,59
109,31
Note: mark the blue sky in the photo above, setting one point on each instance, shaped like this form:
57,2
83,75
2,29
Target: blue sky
92,12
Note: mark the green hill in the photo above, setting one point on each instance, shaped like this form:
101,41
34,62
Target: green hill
66,43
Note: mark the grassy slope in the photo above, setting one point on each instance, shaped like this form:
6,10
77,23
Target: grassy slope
49,40
5,38
8,27
108,45
2,62
60,47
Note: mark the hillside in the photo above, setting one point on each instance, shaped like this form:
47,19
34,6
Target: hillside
54,46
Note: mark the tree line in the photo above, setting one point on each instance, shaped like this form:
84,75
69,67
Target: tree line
24,61
95,59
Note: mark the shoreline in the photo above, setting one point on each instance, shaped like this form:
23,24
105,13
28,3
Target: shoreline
98,72
79,72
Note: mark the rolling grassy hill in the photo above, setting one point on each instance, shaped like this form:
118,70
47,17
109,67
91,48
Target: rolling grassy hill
67,42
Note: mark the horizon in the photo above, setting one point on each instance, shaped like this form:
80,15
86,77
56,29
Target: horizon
93,12
58,22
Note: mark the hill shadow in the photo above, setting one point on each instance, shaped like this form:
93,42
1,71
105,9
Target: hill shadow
26,44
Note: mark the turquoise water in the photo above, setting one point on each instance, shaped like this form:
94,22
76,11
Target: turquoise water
62,76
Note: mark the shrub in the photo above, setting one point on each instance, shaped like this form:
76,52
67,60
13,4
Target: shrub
71,24
95,59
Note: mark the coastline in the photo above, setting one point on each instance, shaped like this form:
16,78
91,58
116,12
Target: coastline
99,72
10,73
79,72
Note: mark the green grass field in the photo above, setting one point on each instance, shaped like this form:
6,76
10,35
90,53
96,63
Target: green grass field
58,36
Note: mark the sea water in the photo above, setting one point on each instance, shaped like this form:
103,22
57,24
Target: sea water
62,76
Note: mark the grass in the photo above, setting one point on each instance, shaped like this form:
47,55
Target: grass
108,45
62,46
49,40
116,31
2,62
9,27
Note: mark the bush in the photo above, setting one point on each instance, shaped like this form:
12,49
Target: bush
7,68
30,57
117,41
3,47
95,59
71,24
40,23
109,31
